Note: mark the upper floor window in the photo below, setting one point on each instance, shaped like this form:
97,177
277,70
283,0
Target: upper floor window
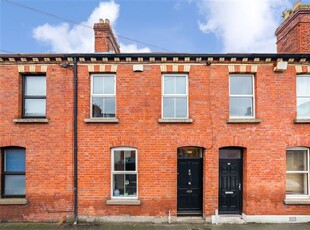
34,96
241,96
297,171
103,95
124,173
303,96
13,172
175,96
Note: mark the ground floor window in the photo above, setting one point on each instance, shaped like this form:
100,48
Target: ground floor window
124,173
297,171
13,172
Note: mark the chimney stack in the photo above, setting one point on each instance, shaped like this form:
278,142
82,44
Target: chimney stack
105,41
293,35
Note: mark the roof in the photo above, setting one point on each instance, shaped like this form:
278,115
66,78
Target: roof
153,57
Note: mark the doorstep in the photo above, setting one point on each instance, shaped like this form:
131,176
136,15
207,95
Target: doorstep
231,219
190,219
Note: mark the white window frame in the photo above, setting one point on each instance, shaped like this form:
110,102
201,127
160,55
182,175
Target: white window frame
163,95
299,196
124,172
303,96
101,95
248,96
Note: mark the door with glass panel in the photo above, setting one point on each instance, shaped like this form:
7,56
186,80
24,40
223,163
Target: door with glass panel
230,181
190,171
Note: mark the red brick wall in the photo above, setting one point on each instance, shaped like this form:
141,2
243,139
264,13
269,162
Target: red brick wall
293,35
49,175
139,108
48,146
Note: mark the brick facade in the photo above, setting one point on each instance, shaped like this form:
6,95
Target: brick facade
139,124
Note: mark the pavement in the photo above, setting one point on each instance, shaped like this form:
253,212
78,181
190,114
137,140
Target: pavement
150,226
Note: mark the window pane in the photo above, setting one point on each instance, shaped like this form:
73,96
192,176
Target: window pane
35,86
230,153
303,107
241,107
296,160
169,85
14,160
241,85
14,185
35,107
130,160
190,152
303,85
130,185
97,108
181,107
109,85
97,85
296,183
180,85
118,184
168,107
119,161
109,107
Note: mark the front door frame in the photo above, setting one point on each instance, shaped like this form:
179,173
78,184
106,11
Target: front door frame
241,181
193,213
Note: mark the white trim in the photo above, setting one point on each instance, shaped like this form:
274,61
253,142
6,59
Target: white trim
299,196
276,218
303,96
243,96
122,172
129,219
174,95
101,95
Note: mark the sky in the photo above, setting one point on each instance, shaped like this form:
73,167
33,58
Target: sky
182,26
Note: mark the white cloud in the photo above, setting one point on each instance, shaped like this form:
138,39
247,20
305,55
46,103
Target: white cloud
133,48
63,38
243,25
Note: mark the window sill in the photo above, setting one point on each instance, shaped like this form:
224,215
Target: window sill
296,201
30,120
123,202
101,120
302,121
243,120
166,120
13,201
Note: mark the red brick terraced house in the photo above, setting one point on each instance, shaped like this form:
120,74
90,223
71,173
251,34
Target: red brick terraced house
154,136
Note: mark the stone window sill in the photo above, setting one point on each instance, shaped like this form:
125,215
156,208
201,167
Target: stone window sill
123,202
165,120
13,201
101,120
302,121
243,120
30,120
297,201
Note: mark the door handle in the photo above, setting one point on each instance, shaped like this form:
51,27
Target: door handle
229,192
239,186
189,172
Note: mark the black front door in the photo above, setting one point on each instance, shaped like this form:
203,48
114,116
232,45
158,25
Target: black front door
230,182
190,186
